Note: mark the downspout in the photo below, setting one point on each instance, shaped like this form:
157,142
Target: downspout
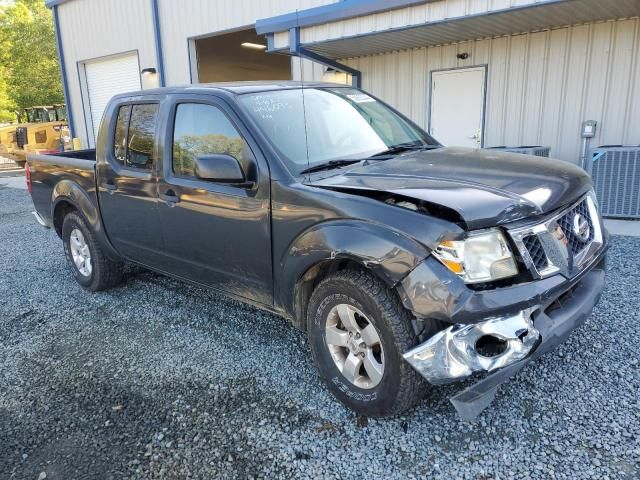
158,36
63,70
298,50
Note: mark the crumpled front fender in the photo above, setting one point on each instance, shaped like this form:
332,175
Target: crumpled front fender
380,249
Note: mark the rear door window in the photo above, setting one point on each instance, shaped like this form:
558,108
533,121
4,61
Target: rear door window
120,135
142,126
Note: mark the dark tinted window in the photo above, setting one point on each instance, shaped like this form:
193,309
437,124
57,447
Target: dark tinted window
120,135
61,113
200,130
141,135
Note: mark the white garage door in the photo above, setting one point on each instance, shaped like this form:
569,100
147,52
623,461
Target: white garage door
106,78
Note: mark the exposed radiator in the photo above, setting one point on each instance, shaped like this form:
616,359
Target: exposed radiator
538,151
616,177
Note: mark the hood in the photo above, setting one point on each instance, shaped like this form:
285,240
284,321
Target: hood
485,187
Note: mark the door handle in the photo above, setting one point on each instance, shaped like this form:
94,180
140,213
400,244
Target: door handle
109,185
169,197
476,136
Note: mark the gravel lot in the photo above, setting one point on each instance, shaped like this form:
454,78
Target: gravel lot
157,379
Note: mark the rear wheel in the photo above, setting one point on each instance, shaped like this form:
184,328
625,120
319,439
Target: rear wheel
92,269
358,331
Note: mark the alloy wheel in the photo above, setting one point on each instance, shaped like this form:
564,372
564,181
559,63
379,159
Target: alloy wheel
80,252
355,346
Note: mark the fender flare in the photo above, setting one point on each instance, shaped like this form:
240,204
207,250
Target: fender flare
72,193
386,252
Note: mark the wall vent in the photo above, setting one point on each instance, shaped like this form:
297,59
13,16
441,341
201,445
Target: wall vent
536,150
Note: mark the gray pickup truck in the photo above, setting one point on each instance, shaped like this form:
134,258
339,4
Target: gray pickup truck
403,260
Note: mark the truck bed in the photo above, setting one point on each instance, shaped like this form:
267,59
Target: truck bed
88,154
63,172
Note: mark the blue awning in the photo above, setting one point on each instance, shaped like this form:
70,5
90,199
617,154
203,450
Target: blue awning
340,10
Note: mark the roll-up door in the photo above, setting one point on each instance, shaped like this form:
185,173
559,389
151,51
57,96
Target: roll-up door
106,78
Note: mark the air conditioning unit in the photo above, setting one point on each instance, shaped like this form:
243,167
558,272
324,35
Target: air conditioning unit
615,170
536,150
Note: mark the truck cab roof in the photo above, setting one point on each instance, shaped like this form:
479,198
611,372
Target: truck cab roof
237,88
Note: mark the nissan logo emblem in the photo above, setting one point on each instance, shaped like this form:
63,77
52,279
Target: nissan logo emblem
581,227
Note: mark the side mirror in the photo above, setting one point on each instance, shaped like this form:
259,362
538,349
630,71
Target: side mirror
220,168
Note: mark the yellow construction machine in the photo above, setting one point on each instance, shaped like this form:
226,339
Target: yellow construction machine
40,129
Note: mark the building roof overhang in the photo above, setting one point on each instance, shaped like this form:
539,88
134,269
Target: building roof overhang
535,16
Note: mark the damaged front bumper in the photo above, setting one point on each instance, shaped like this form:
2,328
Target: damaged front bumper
460,350
454,353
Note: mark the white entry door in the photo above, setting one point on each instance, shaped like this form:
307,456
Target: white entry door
106,78
457,106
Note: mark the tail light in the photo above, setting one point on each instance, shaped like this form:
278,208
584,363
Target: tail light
27,173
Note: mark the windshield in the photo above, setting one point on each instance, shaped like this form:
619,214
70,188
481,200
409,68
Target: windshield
40,115
61,113
342,124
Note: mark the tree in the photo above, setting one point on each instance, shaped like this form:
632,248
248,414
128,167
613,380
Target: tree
29,69
6,104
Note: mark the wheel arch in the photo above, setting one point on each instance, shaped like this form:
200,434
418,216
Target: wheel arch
62,208
68,196
338,245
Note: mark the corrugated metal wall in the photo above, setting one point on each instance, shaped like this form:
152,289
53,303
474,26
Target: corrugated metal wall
432,11
95,28
180,20
541,86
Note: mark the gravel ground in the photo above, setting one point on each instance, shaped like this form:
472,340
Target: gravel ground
157,379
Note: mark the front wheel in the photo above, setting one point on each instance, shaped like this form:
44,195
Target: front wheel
358,331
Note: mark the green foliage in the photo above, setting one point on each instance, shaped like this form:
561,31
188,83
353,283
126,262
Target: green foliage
6,104
29,71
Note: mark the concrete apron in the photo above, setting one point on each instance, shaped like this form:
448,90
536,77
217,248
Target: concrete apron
629,228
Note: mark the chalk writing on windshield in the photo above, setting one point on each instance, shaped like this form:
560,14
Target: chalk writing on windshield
267,105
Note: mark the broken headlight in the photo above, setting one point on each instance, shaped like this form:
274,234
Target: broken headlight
481,257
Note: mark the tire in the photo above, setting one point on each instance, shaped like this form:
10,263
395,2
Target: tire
99,272
396,386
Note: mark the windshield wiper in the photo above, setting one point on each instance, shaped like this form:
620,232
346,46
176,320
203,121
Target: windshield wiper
329,165
404,147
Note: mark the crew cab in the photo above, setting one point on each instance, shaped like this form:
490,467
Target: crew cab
406,262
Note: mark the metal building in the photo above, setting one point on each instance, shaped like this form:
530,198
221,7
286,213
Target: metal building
473,72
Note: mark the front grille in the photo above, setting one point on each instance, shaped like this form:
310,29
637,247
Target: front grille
575,244
536,252
564,243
